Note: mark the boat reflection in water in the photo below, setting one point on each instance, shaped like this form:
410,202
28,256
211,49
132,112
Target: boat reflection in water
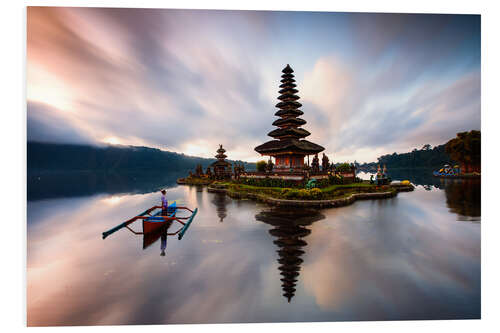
149,238
289,229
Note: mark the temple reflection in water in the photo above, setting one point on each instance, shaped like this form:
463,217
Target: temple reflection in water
220,201
289,229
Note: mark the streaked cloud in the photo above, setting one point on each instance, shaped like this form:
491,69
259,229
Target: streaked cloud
187,80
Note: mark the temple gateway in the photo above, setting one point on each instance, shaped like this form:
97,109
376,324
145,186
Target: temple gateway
288,147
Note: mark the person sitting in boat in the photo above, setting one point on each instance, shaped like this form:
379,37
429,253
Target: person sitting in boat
164,203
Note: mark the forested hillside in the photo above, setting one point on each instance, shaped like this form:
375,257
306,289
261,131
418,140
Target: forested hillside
426,157
71,157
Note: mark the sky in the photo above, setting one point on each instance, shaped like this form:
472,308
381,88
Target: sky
189,80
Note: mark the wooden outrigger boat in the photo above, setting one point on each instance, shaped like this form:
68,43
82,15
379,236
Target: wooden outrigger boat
152,221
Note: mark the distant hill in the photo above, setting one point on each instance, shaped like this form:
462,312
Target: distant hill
52,157
426,157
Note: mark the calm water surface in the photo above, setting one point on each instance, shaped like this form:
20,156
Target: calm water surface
416,256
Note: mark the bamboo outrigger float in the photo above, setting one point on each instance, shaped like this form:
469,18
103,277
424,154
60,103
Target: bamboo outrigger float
153,221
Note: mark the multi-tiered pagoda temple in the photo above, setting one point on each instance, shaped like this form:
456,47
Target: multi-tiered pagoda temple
288,147
222,168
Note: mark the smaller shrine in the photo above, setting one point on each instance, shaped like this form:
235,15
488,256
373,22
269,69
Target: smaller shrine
222,168
381,177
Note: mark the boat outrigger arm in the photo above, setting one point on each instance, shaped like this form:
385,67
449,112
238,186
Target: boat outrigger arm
148,216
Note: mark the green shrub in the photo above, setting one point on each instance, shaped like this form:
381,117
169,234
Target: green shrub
323,182
261,166
270,182
344,167
291,194
335,180
315,194
302,194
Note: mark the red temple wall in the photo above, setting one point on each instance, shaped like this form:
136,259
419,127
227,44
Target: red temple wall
286,161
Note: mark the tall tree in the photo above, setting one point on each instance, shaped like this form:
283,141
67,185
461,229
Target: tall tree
466,149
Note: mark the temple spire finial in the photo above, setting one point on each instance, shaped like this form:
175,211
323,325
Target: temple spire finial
287,69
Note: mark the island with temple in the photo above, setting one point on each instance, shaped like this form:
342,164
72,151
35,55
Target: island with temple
290,177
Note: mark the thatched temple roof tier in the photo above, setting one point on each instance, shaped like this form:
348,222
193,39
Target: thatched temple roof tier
289,113
288,90
289,131
288,97
289,122
220,156
220,163
288,85
274,147
288,105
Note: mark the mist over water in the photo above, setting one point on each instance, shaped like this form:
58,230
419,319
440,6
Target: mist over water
415,256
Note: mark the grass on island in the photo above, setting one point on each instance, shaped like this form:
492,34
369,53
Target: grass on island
326,193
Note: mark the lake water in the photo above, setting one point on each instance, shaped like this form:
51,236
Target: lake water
415,256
